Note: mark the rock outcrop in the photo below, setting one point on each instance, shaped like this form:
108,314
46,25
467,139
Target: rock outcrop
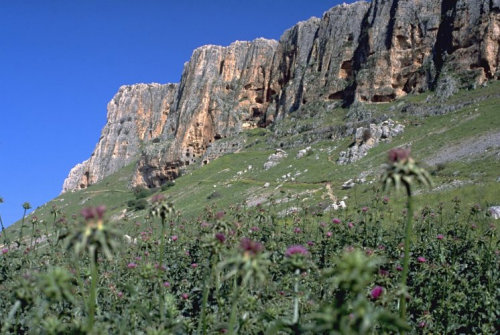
369,52
367,138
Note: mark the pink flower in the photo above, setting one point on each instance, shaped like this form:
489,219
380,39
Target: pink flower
385,200
194,266
175,238
376,292
220,237
166,284
297,230
440,236
296,250
310,243
157,198
90,213
120,294
329,234
336,221
421,259
399,268
185,296
350,225
5,250
219,215
131,265
398,155
250,246
364,209
322,224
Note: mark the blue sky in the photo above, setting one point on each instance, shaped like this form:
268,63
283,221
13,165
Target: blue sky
62,61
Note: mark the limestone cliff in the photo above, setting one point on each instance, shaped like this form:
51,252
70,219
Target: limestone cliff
366,51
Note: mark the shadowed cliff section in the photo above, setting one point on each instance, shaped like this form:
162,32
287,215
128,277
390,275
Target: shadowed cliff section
365,52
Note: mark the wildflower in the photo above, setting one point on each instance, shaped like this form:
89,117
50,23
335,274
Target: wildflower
399,268
90,213
329,234
297,230
220,215
157,198
250,246
385,200
255,229
296,249
350,225
220,237
194,266
399,155
322,224
185,296
174,238
120,294
364,209
383,273
166,284
440,236
336,221
421,259
310,243
376,292
131,265
422,324
5,250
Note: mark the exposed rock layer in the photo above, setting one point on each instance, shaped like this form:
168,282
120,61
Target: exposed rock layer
368,52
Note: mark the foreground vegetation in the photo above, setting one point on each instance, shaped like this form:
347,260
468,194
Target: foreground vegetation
231,247
251,271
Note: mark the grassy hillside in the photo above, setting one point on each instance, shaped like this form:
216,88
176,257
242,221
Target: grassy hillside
239,178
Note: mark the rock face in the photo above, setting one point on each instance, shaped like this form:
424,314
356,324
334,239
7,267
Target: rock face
368,52
136,114
367,138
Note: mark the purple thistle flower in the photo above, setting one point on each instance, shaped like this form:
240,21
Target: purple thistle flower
440,236
421,259
252,247
220,237
185,296
296,250
310,243
90,213
398,155
220,215
364,209
194,266
297,230
174,238
5,250
166,284
376,292
131,265
336,221
329,234
157,198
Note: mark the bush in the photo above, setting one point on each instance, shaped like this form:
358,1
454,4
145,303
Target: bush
167,185
137,204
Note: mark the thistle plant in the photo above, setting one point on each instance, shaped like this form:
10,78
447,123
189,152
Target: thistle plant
4,233
26,207
403,171
94,237
246,269
160,208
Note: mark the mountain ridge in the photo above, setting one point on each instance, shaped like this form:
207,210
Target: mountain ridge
363,52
